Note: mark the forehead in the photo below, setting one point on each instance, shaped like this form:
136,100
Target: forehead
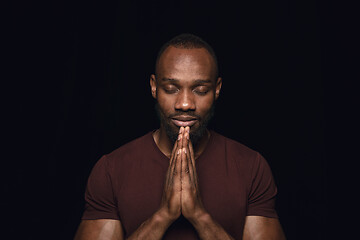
182,63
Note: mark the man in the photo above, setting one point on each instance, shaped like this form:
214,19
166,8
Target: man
182,181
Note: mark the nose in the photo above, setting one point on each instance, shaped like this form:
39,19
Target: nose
185,101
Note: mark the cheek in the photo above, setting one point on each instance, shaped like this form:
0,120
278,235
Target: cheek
204,104
165,104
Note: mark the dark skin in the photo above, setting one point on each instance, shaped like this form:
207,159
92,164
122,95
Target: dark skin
185,82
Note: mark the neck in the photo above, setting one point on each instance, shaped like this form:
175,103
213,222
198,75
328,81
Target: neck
165,145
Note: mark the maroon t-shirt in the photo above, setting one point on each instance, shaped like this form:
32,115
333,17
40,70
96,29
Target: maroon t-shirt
234,182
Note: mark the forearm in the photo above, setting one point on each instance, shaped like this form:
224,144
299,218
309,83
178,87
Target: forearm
154,228
208,228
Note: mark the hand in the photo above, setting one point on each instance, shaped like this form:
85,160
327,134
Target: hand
181,196
181,192
191,204
171,200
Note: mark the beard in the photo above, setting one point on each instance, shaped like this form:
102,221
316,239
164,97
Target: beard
196,133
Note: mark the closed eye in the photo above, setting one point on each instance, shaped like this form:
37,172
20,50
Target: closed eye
201,90
170,89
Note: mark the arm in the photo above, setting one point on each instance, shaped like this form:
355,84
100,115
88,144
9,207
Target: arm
154,227
104,229
261,228
191,204
181,196
261,221
208,228
110,229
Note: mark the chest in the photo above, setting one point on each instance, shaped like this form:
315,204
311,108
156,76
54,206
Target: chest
222,191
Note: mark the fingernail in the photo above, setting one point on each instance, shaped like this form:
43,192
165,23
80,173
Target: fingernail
179,137
178,152
184,149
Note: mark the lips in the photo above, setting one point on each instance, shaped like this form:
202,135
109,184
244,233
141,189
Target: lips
184,121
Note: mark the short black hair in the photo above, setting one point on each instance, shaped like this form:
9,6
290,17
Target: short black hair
188,41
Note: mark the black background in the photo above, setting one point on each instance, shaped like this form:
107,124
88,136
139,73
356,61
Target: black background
81,89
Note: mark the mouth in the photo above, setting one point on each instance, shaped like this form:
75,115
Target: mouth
184,121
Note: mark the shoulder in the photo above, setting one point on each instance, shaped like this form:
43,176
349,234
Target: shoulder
245,158
233,147
134,149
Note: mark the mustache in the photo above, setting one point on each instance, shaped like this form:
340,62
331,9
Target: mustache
180,113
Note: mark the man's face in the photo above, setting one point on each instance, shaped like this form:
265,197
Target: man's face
186,89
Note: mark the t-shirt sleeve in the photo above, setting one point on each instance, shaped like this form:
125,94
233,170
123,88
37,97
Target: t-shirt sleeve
263,190
99,197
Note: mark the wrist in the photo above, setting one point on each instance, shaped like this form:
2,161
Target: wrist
163,217
199,219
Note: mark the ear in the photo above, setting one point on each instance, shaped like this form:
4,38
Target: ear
153,85
218,87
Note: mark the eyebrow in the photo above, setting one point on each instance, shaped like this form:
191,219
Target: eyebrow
169,80
197,81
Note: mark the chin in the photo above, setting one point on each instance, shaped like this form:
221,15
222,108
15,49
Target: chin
197,131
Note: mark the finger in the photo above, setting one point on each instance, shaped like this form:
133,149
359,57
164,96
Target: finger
185,164
183,141
173,156
176,145
191,153
184,161
177,172
177,166
176,153
171,165
185,176
186,145
181,137
189,168
173,152
192,167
